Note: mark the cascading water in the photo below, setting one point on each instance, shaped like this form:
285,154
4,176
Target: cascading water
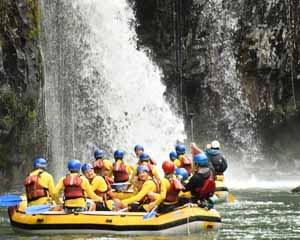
100,90
233,120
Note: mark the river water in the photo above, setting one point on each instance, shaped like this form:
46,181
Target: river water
257,214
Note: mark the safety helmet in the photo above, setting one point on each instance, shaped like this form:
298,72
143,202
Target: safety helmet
180,149
40,163
168,167
118,154
173,155
182,173
74,165
86,167
142,168
201,160
138,147
144,157
215,144
99,153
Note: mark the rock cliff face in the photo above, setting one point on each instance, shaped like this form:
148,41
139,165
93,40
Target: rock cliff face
235,64
22,133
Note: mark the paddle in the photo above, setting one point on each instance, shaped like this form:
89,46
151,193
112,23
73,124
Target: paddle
10,200
230,198
150,214
37,209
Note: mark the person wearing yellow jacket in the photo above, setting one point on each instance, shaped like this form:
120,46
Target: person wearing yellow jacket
98,185
174,159
170,188
145,160
146,192
75,187
99,163
39,185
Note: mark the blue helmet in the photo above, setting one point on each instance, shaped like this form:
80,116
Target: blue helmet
180,149
40,163
119,154
182,173
74,165
173,155
144,157
86,167
99,153
142,168
138,147
201,160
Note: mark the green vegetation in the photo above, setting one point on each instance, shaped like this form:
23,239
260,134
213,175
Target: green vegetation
34,17
15,112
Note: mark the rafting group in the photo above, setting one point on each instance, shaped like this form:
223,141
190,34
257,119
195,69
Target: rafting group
102,182
116,198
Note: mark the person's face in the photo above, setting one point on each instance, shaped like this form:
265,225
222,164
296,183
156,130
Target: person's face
143,175
89,174
138,152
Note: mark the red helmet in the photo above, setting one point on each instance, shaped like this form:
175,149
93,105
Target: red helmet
168,167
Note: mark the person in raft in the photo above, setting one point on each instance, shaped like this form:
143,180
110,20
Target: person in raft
39,184
145,161
202,184
98,186
99,162
174,159
170,188
146,192
138,150
121,170
217,159
75,187
185,162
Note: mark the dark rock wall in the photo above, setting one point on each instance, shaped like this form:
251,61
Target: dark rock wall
235,64
22,132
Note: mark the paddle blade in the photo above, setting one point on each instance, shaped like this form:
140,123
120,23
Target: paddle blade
150,214
10,200
37,209
230,198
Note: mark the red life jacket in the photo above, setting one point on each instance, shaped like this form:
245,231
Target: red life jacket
33,188
208,188
73,188
173,191
120,173
108,192
186,163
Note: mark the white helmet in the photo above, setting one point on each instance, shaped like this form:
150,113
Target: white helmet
215,144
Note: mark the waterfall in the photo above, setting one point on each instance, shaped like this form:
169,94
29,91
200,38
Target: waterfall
233,118
100,90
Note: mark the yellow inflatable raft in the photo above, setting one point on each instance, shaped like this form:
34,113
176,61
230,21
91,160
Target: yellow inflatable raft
221,190
189,218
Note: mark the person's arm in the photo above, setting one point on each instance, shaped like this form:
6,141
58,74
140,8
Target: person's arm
225,163
133,175
59,187
87,188
190,185
147,187
51,189
128,169
163,190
